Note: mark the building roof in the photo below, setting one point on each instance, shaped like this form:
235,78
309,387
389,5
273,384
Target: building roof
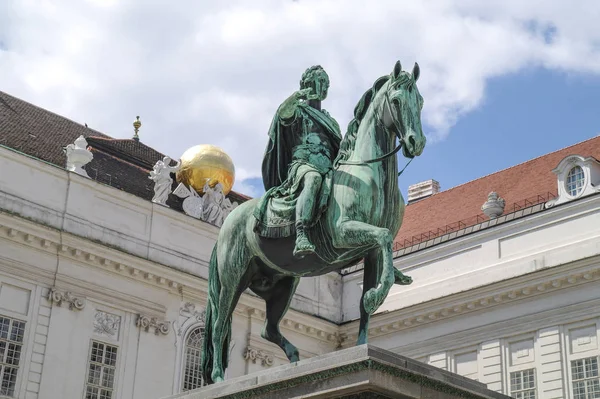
122,163
521,186
37,132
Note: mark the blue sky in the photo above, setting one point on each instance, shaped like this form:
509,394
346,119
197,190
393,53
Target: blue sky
523,116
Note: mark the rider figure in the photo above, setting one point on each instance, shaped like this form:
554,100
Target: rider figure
304,140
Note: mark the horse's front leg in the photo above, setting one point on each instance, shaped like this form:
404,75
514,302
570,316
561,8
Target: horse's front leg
371,271
353,233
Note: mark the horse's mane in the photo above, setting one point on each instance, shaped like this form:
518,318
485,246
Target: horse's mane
349,141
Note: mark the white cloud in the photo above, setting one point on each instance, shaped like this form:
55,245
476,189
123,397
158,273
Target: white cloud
199,72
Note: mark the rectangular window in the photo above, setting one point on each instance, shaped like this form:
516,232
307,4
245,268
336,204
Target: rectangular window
522,384
101,371
11,343
586,383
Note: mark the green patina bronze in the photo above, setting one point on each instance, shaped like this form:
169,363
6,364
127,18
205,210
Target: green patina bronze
330,203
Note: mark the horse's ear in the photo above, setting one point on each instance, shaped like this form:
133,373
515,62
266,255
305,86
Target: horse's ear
416,72
397,70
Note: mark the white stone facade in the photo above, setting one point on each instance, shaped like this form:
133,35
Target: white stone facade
111,290
83,264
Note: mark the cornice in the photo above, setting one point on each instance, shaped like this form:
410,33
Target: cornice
503,329
93,254
507,291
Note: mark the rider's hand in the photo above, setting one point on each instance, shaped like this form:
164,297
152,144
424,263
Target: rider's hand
306,94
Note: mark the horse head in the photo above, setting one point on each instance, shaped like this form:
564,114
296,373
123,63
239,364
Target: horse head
402,115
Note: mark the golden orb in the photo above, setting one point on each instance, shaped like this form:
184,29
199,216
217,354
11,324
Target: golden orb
206,162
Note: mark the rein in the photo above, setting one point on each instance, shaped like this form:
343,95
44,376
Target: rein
389,154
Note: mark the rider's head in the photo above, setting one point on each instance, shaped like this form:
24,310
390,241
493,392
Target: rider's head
317,78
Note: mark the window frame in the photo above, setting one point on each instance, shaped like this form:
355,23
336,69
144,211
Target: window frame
521,371
597,377
570,356
190,330
115,367
22,364
583,180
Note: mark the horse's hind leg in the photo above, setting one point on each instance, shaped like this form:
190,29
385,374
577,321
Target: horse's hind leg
370,277
277,303
231,289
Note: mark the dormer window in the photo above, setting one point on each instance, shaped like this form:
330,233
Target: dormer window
575,180
577,177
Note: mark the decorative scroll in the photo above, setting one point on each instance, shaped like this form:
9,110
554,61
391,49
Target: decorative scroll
59,297
147,323
265,358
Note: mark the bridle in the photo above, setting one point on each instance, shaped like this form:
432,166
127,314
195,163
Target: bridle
396,128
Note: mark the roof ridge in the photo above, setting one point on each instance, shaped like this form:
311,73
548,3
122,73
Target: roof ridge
54,113
510,167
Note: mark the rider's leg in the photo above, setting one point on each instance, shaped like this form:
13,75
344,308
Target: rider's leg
305,209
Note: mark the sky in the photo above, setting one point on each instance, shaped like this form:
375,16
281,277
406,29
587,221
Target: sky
503,80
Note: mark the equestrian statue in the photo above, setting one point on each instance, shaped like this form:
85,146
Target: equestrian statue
330,203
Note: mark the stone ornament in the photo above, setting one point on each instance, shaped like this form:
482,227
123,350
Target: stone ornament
188,310
58,297
161,175
107,324
77,156
265,358
147,323
494,206
212,208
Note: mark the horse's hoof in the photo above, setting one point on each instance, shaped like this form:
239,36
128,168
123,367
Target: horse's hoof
405,280
370,301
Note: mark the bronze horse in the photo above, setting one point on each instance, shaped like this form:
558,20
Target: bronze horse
363,216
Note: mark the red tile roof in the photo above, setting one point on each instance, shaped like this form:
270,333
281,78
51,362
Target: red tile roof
522,185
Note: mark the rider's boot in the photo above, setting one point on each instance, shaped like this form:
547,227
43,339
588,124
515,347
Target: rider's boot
303,245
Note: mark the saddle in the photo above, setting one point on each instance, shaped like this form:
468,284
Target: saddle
276,220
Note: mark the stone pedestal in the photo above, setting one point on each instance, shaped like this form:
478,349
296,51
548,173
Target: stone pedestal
359,372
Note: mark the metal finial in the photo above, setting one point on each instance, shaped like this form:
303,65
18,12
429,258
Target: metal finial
136,127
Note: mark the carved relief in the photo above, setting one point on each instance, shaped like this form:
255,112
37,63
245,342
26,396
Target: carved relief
189,311
107,324
147,323
265,358
58,297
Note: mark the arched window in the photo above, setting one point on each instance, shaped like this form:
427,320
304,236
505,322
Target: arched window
192,375
575,181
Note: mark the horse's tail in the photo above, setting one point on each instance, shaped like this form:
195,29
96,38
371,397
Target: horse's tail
212,309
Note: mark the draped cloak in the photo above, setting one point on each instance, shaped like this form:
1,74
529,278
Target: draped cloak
288,157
